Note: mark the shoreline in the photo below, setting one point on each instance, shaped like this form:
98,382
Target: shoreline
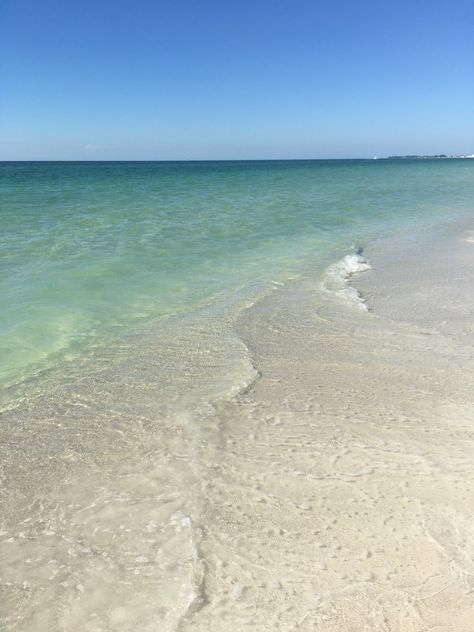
355,511
331,489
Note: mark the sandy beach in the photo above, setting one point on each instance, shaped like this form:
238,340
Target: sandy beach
343,499
327,486
236,316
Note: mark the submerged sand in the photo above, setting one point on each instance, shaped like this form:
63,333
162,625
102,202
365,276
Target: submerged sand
332,489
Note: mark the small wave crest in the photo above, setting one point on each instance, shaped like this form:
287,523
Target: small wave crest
338,278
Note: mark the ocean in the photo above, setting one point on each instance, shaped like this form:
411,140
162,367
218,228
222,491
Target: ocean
93,251
168,329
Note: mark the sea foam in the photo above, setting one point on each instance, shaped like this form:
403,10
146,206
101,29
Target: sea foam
338,276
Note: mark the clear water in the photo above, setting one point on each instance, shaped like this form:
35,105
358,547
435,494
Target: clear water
92,250
170,383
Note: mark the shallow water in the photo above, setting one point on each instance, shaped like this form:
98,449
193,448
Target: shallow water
90,251
260,451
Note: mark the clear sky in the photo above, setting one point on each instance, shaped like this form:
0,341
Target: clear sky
202,79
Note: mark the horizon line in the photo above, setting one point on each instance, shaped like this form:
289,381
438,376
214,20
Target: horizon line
373,158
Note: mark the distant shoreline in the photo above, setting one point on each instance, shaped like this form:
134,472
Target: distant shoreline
419,157
240,160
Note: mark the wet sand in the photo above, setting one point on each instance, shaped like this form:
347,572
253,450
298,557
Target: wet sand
329,485
343,498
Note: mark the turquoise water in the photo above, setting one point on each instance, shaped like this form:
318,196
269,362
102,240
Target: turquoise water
89,251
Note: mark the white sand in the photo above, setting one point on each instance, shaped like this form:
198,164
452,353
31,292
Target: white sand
343,498
324,482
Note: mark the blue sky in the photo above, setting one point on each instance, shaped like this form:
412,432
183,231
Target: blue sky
162,79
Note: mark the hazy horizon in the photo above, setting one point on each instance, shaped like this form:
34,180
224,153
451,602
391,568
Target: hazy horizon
440,156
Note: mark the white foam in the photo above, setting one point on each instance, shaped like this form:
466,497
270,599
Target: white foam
338,277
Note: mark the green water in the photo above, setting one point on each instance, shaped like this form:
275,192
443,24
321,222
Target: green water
89,251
